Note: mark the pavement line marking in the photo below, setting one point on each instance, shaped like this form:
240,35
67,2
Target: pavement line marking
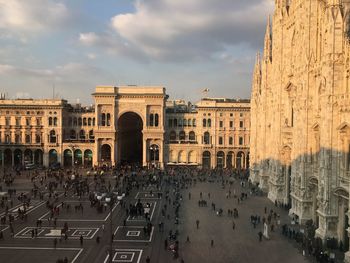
125,240
75,258
141,220
126,250
42,248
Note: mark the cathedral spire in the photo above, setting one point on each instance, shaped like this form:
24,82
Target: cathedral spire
268,42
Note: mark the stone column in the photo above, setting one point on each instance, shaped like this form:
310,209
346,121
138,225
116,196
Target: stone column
144,152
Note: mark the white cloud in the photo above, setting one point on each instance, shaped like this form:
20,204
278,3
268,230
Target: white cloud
25,17
187,30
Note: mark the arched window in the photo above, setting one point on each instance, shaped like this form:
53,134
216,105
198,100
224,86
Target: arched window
156,120
75,121
27,138
93,121
103,119
82,134
72,135
91,134
80,122
37,138
55,121
53,137
194,122
70,121
209,122
172,136
192,136
50,121
89,121
204,123
84,122
151,119
7,138
182,136
175,122
17,138
108,119
206,138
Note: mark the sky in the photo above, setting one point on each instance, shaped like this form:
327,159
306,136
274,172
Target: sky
65,48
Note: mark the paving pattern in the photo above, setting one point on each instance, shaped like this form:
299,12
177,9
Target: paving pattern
130,241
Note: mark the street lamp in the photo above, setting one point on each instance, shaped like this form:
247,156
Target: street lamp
109,200
154,149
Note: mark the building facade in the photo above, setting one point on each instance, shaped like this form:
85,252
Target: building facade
127,124
300,137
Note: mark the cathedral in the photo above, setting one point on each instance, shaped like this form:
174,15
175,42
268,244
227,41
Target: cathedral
300,114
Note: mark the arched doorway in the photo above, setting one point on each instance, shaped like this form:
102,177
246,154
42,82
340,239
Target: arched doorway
206,160
78,157
229,160
8,157
38,157
52,156
67,158
88,158
240,160
17,157
220,158
130,127
28,156
106,153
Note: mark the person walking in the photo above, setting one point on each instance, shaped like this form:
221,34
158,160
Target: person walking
260,234
233,225
197,223
212,243
81,240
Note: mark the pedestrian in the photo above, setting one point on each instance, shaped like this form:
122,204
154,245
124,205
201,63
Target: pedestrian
148,260
166,244
189,196
197,223
81,240
260,236
233,225
55,243
212,243
188,239
98,239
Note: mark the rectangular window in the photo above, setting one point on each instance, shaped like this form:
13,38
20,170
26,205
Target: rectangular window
220,114
7,121
18,122
241,115
231,114
221,140
241,124
221,124
240,140
27,122
231,124
170,123
230,140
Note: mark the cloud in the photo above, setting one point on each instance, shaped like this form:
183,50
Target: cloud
23,18
71,80
187,30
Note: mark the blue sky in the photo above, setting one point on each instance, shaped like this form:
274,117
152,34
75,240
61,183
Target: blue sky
184,45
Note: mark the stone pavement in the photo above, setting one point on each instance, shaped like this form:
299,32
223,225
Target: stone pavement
130,244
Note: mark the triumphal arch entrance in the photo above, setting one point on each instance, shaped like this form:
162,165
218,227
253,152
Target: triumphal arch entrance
130,125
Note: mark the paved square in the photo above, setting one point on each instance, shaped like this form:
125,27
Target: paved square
122,234
148,195
126,256
50,232
89,214
38,254
150,211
